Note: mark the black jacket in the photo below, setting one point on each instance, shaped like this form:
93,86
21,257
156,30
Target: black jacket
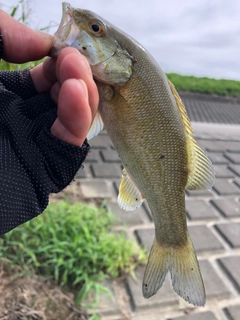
33,163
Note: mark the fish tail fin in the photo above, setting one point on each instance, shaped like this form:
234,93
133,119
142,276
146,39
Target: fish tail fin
181,262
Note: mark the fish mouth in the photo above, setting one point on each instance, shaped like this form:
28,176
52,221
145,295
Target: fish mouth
67,31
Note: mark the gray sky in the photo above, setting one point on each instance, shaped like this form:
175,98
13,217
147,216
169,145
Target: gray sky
193,37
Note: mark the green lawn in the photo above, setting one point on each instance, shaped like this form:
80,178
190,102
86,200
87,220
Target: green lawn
184,83
205,85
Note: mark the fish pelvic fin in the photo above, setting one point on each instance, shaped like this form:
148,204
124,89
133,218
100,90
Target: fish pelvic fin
181,262
96,126
129,198
201,174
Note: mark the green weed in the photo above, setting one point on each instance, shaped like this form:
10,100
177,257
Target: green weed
74,245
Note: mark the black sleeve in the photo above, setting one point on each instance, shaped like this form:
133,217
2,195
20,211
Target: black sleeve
33,163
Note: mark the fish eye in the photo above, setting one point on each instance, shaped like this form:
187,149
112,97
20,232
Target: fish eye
97,28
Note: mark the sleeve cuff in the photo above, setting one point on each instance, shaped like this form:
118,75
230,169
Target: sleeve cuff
62,160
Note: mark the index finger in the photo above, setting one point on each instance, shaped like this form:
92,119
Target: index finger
21,43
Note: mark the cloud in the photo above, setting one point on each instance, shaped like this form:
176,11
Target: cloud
192,37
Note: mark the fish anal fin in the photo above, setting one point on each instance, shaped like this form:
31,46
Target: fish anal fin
181,262
96,127
129,198
201,175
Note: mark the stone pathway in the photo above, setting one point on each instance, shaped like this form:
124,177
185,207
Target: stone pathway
214,226
212,109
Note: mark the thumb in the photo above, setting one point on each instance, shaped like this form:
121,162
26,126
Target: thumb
21,43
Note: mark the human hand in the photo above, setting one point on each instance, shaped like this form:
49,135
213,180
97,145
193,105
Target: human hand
68,79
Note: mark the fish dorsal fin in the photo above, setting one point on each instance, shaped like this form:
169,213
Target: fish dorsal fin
96,127
129,198
201,173
182,110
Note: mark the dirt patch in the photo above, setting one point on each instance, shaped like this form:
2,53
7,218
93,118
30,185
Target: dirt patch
72,193
35,298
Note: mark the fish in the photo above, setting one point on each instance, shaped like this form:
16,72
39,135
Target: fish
148,125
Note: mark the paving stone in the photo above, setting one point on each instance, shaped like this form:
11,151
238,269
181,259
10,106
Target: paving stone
110,156
164,297
93,156
106,170
84,171
81,173
215,287
236,182
230,232
232,146
231,267
212,145
235,168
198,193
228,207
233,157
203,239
224,187
232,312
145,237
199,209
211,109
96,189
147,209
223,172
129,218
198,316
108,304
219,146
217,158
102,141
116,184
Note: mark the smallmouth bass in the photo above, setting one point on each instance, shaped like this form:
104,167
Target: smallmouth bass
149,127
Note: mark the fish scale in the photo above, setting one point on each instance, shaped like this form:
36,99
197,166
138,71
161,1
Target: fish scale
148,125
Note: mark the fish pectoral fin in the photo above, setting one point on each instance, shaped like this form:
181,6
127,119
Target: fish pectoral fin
96,127
182,263
201,175
129,198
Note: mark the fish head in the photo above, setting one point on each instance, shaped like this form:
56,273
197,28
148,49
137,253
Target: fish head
97,40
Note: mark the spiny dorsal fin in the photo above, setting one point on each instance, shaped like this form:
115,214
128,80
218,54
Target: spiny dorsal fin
201,172
129,198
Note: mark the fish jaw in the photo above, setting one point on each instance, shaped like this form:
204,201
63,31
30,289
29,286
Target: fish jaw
67,31
109,61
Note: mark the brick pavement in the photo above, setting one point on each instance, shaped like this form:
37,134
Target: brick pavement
214,225
213,109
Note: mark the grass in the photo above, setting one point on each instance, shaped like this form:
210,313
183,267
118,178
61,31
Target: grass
4,65
205,85
74,245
